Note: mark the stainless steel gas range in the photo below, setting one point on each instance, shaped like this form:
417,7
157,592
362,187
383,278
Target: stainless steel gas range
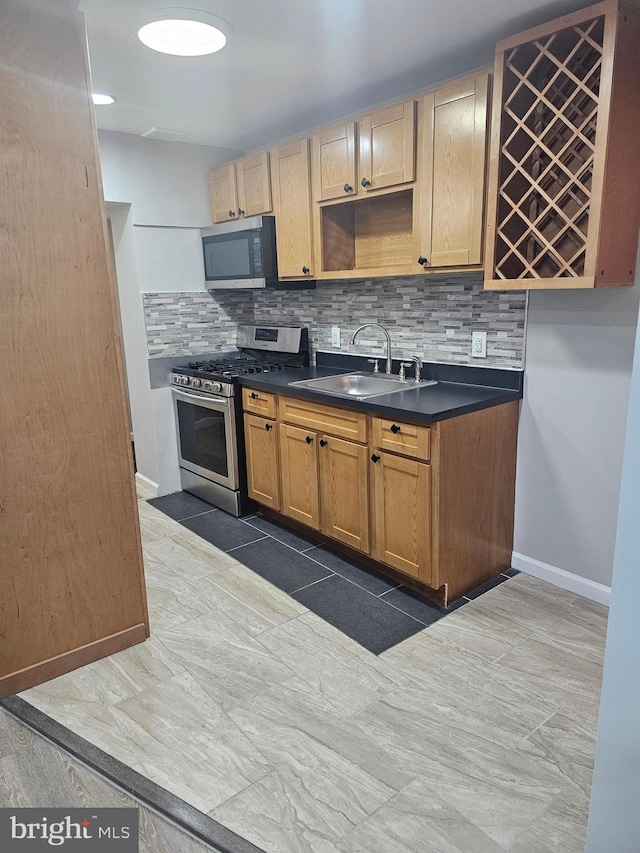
208,409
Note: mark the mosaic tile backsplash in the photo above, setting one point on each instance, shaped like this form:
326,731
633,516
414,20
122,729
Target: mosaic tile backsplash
432,318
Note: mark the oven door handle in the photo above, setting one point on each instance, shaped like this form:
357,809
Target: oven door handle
189,395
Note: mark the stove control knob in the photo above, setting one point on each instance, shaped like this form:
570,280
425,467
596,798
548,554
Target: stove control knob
195,383
207,386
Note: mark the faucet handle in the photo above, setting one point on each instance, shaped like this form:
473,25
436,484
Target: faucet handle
417,361
403,366
374,362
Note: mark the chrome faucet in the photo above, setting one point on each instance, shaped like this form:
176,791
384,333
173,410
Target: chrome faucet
386,334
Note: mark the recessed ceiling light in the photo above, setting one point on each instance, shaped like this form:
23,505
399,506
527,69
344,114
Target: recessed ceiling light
101,100
183,32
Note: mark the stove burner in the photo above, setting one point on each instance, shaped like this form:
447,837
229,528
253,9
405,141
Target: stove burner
234,366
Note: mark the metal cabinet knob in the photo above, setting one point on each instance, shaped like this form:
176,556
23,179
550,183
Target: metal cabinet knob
268,427
394,428
348,188
365,183
232,213
308,439
323,443
305,270
240,212
253,395
423,261
374,458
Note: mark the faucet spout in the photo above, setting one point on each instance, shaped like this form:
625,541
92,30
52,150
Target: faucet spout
389,366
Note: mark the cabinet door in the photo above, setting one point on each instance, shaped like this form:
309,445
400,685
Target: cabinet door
344,486
334,158
387,147
455,136
254,185
402,505
224,196
299,468
292,197
261,439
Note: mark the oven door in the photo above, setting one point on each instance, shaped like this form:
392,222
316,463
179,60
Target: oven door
207,436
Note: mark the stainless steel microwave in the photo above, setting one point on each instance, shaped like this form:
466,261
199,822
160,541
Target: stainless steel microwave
242,255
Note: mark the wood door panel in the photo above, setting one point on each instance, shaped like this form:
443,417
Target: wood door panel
300,481
72,575
388,147
399,437
344,481
402,501
455,157
335,161
254,184
263,468
292,196
223,191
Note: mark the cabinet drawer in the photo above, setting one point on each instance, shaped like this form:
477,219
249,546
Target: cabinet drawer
259,402
399,437
340,422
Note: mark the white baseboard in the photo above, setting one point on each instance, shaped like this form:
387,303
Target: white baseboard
559,577
146,485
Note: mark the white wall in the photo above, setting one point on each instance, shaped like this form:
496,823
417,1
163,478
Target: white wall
614,817
157,194
579,356
166,183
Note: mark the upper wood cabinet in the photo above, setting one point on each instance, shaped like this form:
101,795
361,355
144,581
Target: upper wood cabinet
564,207
454,136
223,192
387,147
241,188
334,161
292,203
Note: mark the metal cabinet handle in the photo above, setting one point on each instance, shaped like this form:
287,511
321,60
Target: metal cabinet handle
423,261
232,213
394,428
323,443
374,458
308,439
305,270
268,427
348,188
240,212
365,183
253,395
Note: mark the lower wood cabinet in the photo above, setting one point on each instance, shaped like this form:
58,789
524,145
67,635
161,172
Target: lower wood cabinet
344,487
299,470
263,466
402,505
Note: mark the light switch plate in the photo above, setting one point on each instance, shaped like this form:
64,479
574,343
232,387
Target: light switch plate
335,336
479,344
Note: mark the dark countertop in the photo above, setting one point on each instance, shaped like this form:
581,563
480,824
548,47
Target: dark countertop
426,404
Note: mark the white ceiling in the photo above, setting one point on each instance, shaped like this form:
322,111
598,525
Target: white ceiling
292,64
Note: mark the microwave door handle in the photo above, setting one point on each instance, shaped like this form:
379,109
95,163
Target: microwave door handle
187,395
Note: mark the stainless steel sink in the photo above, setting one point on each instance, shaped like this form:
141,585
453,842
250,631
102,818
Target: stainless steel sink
360,386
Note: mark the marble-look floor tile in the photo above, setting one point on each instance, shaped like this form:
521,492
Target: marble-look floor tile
225,660
216,560
546,616
154,524
182,740
418,820
173,600
550,671
567,744
298,728
280,815
175,558
249,599
338,668
478,630
560,828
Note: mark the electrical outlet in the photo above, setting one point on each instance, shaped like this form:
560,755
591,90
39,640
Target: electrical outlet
335,336
479,344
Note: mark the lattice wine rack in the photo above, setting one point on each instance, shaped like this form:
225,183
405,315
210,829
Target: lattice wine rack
553,92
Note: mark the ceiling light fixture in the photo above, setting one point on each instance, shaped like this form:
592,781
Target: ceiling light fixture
102,100
183,32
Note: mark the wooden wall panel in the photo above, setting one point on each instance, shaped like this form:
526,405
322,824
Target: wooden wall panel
70,556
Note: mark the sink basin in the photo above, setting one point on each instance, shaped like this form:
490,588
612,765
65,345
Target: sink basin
360,386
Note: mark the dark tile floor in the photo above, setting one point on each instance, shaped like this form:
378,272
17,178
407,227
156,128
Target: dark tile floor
363,604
